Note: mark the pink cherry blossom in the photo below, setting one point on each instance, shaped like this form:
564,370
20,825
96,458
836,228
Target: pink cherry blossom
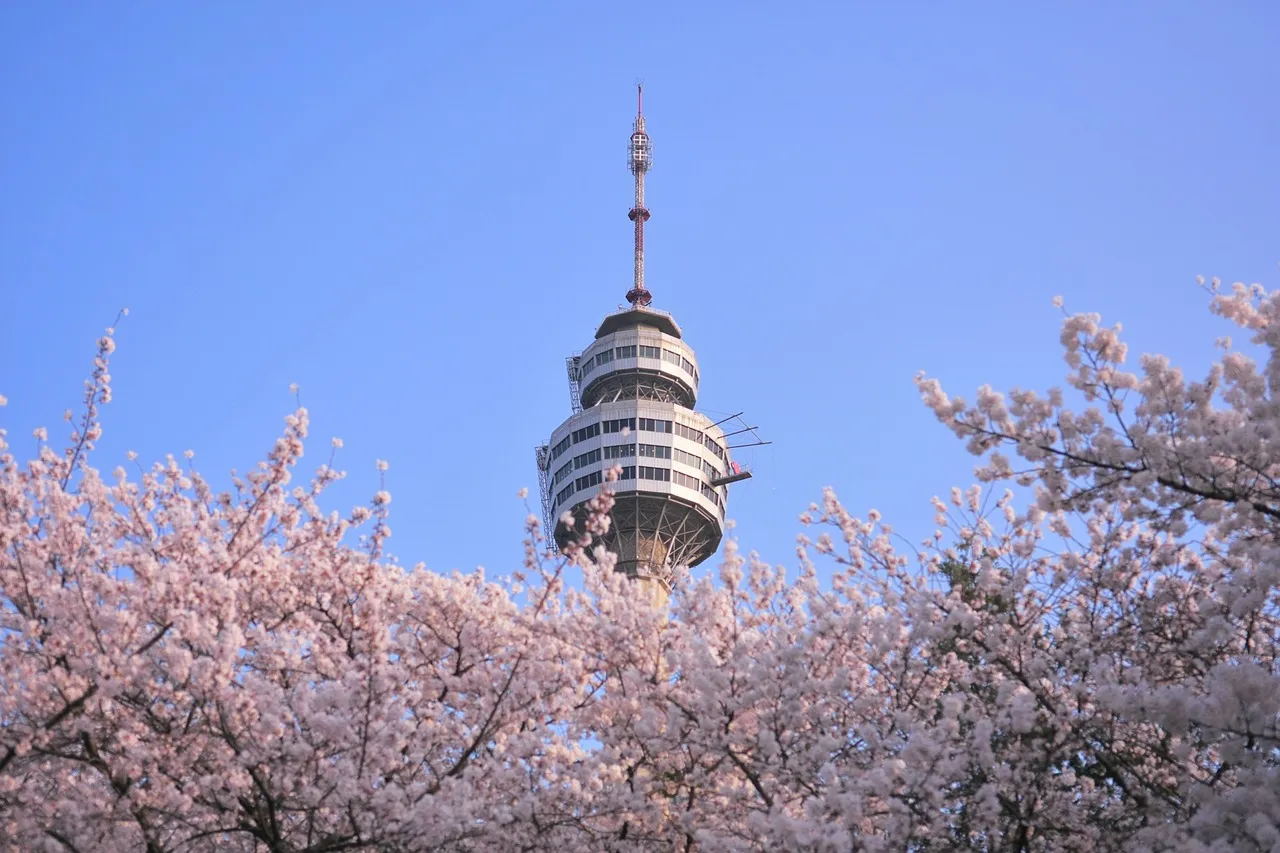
1086,658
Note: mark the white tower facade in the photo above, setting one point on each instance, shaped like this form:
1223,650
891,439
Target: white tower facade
633,392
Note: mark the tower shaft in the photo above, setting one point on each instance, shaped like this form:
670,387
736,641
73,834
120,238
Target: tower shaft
638,214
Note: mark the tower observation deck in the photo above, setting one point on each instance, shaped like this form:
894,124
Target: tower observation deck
633,390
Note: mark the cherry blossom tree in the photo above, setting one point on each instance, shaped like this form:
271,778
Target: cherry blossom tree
1095,671
190,670
1081,659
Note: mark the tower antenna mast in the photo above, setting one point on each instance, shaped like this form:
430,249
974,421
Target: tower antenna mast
640,158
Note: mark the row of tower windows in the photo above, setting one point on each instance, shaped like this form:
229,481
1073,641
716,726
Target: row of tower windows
625,451
695,462
688,432
646,472
658,451
703,439
686,481
645,424
686,458
632,350
586,481
654,425
628,472
588,431
650,451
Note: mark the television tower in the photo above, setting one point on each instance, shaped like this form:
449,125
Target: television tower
633,392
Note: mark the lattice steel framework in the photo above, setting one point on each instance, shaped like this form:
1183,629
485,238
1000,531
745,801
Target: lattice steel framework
640,160
542,456
651,533
573,372
637,385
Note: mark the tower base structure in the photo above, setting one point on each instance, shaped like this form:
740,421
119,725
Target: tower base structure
652,534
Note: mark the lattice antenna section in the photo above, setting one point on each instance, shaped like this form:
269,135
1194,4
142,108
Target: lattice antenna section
575,387
542,455
640,159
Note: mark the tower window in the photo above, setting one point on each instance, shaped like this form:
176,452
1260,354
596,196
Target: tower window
686,481
687,458
585,459
655,425
595,478
620,424
689,432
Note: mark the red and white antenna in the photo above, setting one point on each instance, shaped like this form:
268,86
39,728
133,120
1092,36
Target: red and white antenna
640,158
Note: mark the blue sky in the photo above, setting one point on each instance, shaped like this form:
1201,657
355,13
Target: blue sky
416,210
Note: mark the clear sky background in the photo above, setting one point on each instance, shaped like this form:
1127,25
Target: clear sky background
417,210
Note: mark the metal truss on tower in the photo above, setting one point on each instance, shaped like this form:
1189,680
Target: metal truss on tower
651,534
637,386
575,391
542,456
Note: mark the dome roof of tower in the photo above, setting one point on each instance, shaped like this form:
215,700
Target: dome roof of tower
630,318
